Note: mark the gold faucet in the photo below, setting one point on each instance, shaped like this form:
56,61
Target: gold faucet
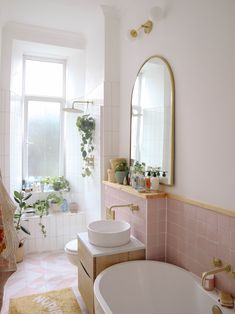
110,213
214,271
216,310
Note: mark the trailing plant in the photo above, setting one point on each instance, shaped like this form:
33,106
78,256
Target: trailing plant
86,128
41,207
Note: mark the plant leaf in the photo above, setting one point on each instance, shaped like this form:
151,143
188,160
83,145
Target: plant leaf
27,197
18,195
17,200
25,230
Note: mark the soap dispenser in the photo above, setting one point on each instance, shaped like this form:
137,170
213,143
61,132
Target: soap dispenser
148,181
154,182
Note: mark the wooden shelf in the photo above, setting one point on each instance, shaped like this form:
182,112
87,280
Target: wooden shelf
130,190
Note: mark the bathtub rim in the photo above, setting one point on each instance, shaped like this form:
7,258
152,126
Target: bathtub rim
105,308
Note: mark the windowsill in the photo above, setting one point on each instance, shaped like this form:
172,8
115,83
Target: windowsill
45,192
52,214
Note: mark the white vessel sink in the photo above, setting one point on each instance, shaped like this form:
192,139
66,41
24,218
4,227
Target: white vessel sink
109,233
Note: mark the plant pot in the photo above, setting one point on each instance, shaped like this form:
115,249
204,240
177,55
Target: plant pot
55,208
20,254
120,175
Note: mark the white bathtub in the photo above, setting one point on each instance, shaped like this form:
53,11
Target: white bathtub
151,287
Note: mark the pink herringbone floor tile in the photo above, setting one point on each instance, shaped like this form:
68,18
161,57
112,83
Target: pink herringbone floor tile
42,272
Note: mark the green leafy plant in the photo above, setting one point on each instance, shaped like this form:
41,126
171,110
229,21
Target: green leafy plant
55,198
41,208
58,183
86,128
121,166
21,199
139,167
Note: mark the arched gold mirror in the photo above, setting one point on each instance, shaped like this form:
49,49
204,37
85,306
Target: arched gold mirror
152,118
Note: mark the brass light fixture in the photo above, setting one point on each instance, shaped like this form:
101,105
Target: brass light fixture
147,26
156,13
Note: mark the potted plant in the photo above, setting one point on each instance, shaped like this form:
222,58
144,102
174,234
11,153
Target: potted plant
40,207
20,199
55,201
137,175
139,167
121,170
56,183
86,128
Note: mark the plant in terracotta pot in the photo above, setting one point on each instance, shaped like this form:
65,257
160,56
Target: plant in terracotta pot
121,170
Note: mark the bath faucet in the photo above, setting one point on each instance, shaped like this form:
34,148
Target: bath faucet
214,271
110,213
216,310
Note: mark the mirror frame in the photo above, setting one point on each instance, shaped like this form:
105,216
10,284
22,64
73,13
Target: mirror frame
172,133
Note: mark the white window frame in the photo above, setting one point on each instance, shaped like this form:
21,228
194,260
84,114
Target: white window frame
27,98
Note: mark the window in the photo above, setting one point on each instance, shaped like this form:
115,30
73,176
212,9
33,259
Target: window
44,97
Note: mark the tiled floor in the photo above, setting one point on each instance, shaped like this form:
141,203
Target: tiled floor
40,273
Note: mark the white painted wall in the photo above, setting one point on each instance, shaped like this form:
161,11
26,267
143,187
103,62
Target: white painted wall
197,38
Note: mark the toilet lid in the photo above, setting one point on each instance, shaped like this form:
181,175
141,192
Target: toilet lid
72,246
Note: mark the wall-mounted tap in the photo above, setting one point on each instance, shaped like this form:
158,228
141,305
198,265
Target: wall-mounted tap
110,213
226,268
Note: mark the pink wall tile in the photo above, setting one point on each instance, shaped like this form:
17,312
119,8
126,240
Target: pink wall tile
195,235
182,234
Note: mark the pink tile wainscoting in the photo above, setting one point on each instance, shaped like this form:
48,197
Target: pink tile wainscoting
179,233
195,235
148,224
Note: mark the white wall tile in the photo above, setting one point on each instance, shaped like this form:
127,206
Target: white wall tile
115,93
61,228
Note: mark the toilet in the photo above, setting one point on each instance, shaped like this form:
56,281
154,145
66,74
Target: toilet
71,251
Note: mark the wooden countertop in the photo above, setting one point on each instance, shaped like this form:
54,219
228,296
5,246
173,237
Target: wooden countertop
130,190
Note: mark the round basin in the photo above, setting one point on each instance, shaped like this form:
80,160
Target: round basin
109,233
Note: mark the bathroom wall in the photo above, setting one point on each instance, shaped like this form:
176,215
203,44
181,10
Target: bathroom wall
177,232
111,108
195,235
148,224
196,38
60,229
111,86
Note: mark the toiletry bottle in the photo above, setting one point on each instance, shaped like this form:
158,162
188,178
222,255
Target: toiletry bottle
154,182
148,181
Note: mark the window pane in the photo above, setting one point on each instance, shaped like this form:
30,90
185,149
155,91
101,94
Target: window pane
43,78
43,138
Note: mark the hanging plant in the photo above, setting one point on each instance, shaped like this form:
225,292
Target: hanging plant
86,128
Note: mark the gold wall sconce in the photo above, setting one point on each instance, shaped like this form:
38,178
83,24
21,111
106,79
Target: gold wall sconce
155,13
147,26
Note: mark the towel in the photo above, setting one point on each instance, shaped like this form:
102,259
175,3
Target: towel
8,236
